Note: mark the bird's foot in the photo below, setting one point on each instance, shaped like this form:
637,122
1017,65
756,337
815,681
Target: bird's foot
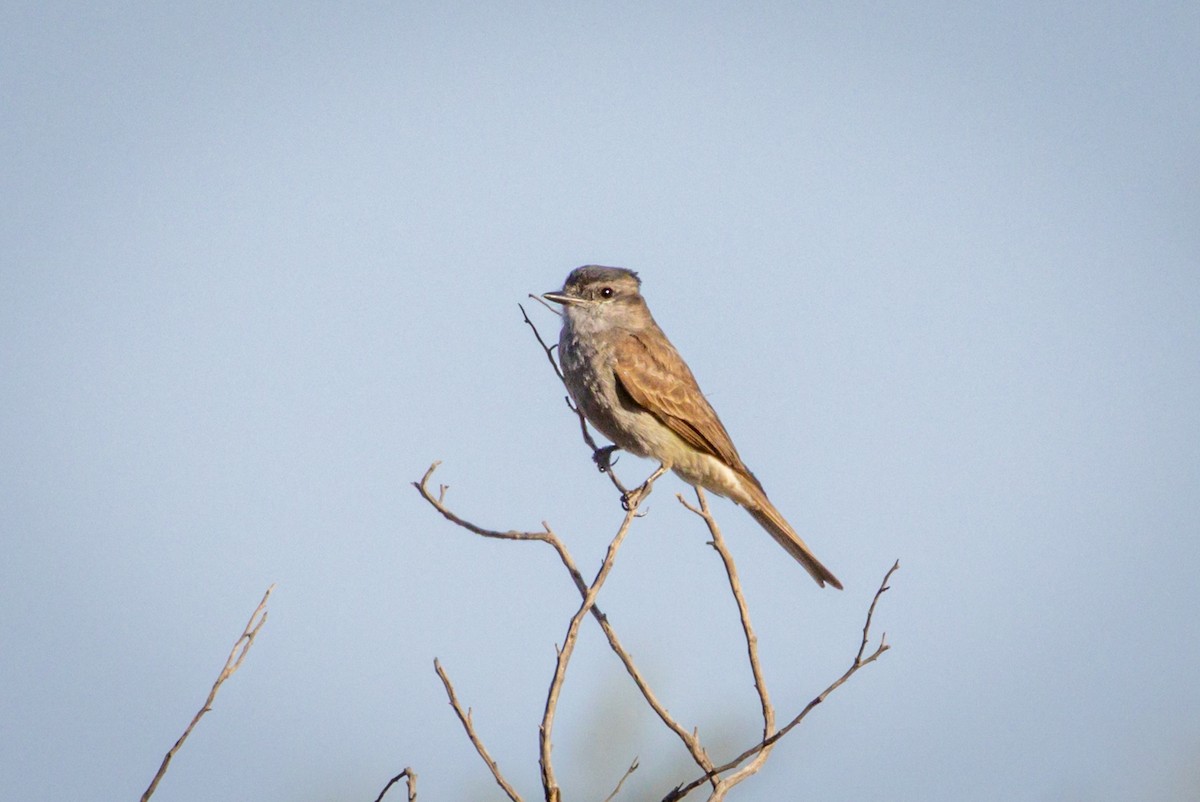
603,458
631,498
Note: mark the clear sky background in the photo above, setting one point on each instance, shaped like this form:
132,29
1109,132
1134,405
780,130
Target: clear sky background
937,265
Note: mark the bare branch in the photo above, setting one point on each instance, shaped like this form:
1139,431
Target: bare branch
465,718
549,782
410,779
632,768
883,587
438,503
735,586
690,741
240,649
859,662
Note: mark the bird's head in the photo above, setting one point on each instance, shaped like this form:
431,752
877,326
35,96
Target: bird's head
598,294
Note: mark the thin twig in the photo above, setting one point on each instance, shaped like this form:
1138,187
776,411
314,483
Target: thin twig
410,779
883,587
605,465
438,503
465,718
548,349
760,685
240,649
545,732
553,309
859,662
689,739
632,768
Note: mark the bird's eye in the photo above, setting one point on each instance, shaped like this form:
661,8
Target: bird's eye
606,292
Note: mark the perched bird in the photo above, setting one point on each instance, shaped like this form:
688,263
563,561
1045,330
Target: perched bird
635,388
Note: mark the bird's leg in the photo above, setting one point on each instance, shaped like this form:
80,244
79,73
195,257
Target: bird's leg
634,497
603,458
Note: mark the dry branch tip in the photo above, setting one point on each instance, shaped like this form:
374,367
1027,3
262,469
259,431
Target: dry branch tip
237,655
464,718
410,778
632,768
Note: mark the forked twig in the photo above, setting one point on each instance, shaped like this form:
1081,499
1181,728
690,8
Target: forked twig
590,592
689,739
240,649
859,662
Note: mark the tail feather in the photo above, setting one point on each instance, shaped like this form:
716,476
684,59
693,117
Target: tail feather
769,518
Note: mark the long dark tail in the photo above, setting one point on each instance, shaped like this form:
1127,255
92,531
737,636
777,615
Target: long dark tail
769,518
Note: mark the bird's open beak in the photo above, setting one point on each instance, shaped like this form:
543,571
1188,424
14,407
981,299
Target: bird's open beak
560,298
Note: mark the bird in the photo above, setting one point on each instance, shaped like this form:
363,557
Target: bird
635,389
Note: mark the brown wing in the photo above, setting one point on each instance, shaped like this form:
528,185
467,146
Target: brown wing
655,376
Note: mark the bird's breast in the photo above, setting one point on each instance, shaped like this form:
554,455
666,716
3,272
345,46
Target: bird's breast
589,367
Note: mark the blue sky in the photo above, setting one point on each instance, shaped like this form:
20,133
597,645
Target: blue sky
937,266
